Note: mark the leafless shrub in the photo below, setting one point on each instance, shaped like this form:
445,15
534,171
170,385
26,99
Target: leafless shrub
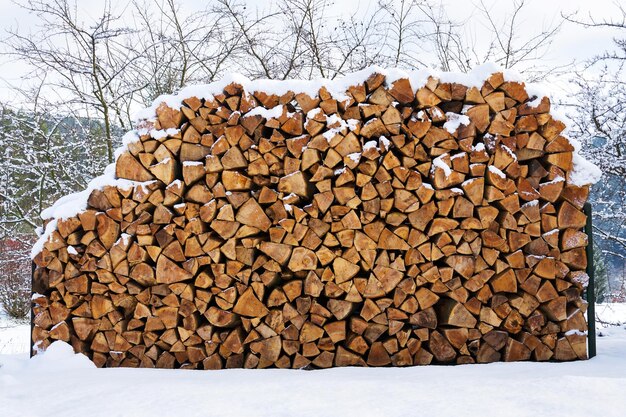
14,279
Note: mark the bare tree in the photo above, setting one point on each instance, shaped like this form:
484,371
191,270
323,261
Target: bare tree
420,33
598,110
15,277
109,64
616,55
180,48
84,62
510,47
300,39
405,31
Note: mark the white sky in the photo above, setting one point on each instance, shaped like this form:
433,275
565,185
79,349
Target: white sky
573,43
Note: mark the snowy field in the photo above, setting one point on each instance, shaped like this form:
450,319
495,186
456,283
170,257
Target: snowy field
14,336
60,383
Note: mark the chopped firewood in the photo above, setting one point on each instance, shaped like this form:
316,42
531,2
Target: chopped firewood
308,231
570,217
426,298
302,259
294,183
279,252
129,168
221,318
504,282
85,328
441,348
249,305
168,272
169,118
344,357
453,313
474,189
108,230
268,349
100,306
251,214
340,308
143,274
165,170
516,351
464,265
344,270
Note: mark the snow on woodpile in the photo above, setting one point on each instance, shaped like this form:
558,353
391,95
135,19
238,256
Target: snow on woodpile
383,218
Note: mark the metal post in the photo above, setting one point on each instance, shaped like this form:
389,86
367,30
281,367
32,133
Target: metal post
591,295
32,313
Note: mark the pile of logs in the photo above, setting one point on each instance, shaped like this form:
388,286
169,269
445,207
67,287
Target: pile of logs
399,226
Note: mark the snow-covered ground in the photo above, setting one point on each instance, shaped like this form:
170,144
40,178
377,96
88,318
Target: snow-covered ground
61,383
610,314
14,335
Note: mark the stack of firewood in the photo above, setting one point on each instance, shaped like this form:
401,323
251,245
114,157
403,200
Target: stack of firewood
395,227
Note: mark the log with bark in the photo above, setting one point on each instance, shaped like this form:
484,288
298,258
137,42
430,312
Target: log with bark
388,224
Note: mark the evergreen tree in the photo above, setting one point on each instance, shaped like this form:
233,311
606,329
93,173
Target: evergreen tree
601,275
